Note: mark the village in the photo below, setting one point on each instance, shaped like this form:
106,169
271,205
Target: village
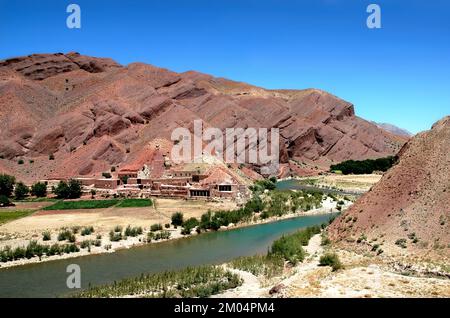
156,177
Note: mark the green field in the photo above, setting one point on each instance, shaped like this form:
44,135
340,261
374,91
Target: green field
82,204
99,204
134,203
8,216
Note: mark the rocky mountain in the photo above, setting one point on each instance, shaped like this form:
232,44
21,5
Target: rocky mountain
394,129
91,113
408,210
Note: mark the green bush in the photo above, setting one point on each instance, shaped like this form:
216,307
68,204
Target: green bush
288,248
46,236
4,201
62,236
189,225
21,191
115,236
133,231
177,219
106,175
155,227
39,190
68,190
401,242
330,259
87,231
6,185
163,235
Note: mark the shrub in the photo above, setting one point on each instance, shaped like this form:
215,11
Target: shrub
401,242
150,236
87,230
325,240
115,236
46,236
106,175
167,225
6,185
21,191
189,225
163,235
288,248
51,157
133,231
64,235
156,227
85,244
20,162
39,190
118,228
72,238
177,219
330,259
113,168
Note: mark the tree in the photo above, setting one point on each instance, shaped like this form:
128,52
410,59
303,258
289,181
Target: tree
61,190
75,189
4,201
70,190
21,191
189,225
6,184
177,219
39,189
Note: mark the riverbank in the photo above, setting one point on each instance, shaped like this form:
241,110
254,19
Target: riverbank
130,242
362,276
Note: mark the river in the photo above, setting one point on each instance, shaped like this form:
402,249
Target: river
48,279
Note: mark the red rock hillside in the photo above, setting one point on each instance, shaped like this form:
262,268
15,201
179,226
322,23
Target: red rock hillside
91,113
409,209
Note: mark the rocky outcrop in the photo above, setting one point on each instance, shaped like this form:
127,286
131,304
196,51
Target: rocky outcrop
408,210
63,104
42,66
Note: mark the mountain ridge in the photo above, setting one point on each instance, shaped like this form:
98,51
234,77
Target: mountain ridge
71,105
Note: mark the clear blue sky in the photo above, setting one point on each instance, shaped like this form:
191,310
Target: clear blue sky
398,74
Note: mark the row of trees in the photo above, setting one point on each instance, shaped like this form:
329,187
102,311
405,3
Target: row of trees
9,189
364,166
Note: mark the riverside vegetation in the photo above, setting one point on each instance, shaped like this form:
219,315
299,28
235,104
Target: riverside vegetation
266,201
205,281
202,281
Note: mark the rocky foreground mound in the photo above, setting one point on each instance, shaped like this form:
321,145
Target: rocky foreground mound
408,211
91,113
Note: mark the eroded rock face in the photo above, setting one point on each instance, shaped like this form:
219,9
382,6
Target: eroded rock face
42,66
410,203
67,104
